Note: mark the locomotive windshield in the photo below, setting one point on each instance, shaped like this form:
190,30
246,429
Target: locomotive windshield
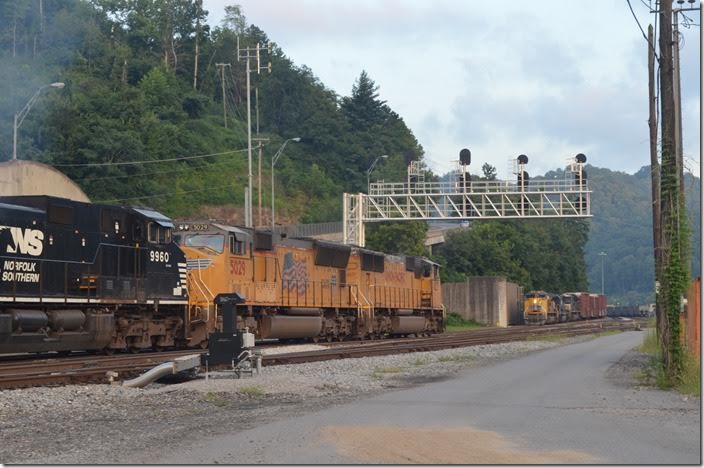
214,242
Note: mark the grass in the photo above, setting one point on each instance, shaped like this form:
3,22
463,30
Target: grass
421,361
253,391
215,399
455,358
455,322
379,372
690,379
689,382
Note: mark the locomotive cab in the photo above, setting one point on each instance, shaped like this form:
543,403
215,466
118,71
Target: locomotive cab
536,307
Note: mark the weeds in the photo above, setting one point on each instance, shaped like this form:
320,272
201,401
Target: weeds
689,381
421,362
650,344
455,358
455,322
379,372
215,399
252,391
690,377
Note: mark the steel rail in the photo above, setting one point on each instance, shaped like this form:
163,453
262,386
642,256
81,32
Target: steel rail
93,368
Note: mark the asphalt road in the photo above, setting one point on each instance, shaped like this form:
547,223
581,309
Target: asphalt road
568,404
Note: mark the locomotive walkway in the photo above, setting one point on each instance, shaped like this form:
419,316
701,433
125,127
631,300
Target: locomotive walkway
568,404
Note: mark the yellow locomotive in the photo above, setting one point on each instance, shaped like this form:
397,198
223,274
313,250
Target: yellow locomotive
304,288
540,308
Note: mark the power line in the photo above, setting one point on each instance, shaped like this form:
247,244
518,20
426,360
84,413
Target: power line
145,174
641,30
149,161
179,192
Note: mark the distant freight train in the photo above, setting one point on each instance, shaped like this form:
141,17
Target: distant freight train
82,276
540,307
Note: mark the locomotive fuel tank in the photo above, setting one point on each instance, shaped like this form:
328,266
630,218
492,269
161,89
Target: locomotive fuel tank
277,326
68,320
401,325
28,320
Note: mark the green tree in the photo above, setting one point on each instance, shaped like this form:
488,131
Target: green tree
363,108
402,237
488,171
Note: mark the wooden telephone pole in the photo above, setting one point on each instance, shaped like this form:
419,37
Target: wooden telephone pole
674,275
654,168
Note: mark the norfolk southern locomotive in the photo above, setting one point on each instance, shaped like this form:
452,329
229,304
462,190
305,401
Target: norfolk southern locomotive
87,276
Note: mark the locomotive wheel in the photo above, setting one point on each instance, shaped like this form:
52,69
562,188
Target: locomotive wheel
315,339
329,338
108,351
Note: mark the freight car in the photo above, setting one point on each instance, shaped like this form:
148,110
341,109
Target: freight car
540,307
298,288
88,276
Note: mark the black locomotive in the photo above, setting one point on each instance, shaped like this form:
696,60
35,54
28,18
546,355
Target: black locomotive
88,276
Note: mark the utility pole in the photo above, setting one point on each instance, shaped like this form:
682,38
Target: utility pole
224,98
261,142
670,202
602,255
199,4
678,102
259,162
248,54
654,167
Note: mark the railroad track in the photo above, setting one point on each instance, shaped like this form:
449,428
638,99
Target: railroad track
24,372
447,341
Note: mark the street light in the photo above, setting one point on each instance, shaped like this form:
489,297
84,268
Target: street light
371,168
602,255
275,158
19,117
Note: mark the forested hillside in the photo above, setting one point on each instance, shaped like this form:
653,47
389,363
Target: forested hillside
133,94
140,122
622,227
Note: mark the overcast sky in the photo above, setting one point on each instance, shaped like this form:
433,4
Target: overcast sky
547,78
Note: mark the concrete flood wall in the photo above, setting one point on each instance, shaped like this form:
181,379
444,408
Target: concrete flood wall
485,299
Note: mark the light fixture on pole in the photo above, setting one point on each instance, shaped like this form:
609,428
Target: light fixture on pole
602,255
20,116
275,158
371,168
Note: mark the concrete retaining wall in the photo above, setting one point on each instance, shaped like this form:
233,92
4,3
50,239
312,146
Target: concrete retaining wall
486,299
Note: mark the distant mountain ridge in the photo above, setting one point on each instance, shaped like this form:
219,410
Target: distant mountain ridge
622,227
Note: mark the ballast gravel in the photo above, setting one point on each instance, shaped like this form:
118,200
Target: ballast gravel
107,424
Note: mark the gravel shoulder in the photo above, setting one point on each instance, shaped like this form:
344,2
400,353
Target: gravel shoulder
99,424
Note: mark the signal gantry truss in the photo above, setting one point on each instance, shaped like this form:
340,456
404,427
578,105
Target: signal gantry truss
464,200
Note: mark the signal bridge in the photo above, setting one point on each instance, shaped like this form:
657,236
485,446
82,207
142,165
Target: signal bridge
464,199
